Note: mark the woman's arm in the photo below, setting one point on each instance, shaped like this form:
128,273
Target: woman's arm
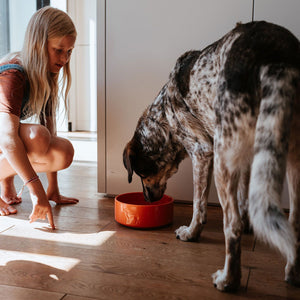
15,160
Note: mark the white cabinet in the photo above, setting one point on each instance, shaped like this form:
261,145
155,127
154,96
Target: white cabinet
143,39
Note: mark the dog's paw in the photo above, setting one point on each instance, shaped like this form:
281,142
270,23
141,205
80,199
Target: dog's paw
223,283
184,234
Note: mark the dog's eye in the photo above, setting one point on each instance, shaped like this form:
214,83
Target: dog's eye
145,178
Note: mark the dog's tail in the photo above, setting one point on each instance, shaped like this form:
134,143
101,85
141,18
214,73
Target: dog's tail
278,92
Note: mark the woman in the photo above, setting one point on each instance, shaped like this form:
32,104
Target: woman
29,86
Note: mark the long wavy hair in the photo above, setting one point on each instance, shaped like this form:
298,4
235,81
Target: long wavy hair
46,23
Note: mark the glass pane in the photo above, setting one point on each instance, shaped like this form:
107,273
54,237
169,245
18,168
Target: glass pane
20,12
4,28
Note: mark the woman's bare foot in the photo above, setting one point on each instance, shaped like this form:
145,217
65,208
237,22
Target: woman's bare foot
6,209
59,199
53,193
8,191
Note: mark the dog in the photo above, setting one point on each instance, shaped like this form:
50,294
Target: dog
234,109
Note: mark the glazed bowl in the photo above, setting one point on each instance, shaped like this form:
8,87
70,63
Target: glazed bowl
132,210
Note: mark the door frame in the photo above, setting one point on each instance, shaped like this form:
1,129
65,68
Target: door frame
101,96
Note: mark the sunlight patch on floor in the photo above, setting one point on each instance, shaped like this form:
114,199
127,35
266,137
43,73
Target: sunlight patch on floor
40,231
57,262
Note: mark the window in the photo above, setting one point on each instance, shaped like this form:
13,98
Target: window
4,28
42,3
14,17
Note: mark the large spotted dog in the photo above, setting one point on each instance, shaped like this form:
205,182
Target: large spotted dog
232,107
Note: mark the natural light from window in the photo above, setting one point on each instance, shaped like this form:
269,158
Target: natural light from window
57,262
41,231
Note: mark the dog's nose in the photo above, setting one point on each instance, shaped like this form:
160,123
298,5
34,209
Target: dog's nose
148,194
152,195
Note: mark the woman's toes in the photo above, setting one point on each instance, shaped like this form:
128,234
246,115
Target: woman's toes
11,210
6,209
12,200
3,212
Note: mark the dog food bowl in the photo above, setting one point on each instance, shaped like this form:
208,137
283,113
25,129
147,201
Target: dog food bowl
132,210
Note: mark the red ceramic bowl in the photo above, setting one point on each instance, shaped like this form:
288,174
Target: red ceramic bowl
132,210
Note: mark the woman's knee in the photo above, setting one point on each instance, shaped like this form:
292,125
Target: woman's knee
63,152
69,153
36,138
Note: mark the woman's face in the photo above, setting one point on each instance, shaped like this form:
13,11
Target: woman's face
59,51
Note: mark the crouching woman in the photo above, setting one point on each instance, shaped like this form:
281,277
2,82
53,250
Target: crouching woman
29,86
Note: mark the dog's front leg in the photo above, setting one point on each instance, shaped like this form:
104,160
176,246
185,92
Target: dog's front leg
202,171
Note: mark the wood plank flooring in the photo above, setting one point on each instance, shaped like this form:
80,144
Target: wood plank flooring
90,256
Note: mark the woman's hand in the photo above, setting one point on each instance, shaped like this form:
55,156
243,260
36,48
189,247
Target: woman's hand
41,207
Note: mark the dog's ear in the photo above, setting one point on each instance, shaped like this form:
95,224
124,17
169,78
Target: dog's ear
128,156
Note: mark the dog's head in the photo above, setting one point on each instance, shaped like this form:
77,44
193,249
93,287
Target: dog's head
153,167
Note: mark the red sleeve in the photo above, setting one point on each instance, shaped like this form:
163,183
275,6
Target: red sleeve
12,87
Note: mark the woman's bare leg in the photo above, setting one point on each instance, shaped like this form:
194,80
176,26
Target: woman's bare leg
5,208
53,191
45,152
8,191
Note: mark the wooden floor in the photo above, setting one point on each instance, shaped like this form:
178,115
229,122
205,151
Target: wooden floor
90,256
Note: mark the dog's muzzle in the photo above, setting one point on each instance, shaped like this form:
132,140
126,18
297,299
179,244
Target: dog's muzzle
151,195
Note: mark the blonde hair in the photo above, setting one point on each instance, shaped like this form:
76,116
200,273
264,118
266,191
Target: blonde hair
46,23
